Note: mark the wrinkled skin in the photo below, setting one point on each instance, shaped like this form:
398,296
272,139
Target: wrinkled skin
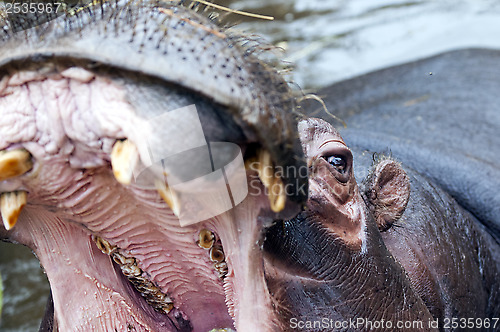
75,89
346,244
439,116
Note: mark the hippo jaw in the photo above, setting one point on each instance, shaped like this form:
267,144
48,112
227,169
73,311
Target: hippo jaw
115,254
112,247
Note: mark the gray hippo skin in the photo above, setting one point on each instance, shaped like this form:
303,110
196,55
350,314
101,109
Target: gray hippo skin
77,99
352,244
439,116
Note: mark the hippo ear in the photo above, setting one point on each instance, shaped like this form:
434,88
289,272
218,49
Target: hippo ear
387,193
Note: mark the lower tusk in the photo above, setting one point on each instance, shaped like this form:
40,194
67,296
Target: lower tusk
14,163
11,205
266,168
169,196
271,180
277,195
124,158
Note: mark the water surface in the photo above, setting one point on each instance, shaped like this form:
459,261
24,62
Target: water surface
331,40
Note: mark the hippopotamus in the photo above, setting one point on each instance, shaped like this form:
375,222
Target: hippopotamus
424,124
380,228
391,252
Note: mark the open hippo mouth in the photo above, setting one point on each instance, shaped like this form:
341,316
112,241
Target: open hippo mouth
79,100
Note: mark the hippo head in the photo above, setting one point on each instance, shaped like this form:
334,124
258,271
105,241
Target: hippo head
82,105
334,192
113,117
329,265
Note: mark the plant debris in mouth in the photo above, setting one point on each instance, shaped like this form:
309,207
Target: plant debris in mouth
160,301
128,265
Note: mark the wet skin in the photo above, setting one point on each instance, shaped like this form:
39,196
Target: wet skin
114,252
396,248
439,116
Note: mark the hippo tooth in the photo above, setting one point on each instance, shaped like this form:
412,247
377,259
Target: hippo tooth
167,307
169,196
124,158
277,195
11,206
266,168
216,254
14,163
104,245
128,265
206,239
122,260
272,181
222,268
131,270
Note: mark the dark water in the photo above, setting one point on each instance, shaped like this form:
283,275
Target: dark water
325,41
25,289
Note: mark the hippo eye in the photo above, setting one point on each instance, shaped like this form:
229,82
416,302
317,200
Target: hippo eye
339,162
